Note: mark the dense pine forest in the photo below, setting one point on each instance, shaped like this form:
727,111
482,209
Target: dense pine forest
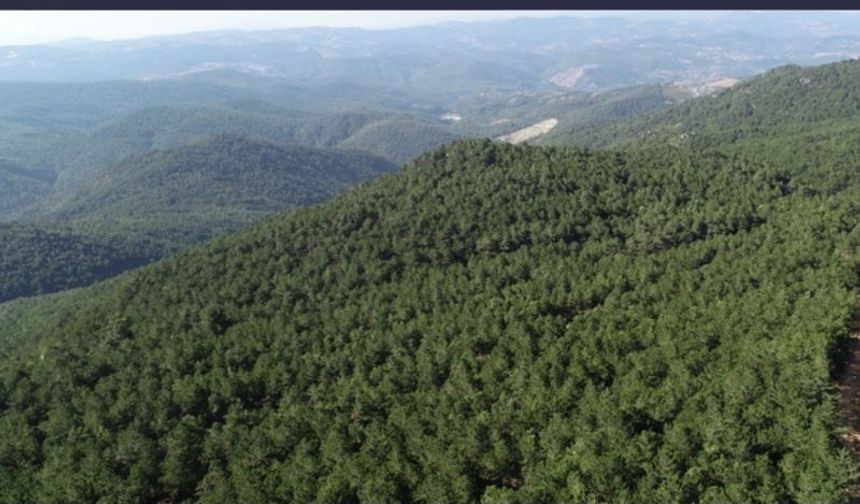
79,157
157,203
224,288
37,260
495,323
187,194
785,101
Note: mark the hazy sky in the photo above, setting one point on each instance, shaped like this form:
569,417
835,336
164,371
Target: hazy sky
33,27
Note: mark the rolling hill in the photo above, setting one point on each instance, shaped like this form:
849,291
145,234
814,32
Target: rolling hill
782,101
39,260
800,119
493,323
21,187
187,194
78,159
437,63
496,114
654,311
399,140
154,204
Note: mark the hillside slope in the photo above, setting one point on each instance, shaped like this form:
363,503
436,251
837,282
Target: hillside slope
154,204
804,120
187,194
79,158
399,140
36,260
493,324
20,187
783,101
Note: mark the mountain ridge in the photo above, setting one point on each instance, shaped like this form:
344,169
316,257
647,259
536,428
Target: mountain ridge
444,333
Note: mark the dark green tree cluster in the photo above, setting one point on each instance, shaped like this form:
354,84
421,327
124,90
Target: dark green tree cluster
20,187
154,204
37,260
175,197
493,324
85,153
399,139
784,101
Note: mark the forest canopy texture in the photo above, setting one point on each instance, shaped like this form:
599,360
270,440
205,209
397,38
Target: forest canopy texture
495,323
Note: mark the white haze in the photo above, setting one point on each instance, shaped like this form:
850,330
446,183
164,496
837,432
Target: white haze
38,27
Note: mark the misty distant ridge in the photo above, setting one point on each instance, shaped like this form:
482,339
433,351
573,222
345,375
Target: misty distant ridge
441,60
534,260
68,42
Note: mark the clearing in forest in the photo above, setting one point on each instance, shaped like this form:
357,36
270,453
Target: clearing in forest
530,132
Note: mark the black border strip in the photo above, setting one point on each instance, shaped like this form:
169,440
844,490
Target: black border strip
429,5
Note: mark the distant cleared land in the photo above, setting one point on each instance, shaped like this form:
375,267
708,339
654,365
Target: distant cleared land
531,132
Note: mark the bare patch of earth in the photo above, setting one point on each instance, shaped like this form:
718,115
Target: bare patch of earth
529,133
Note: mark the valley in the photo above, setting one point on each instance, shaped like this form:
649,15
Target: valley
572,259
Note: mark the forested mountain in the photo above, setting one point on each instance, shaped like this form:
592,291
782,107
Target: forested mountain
186,194
35,260
80,157
651,308
21,187
495,114
495,323
135,180
802,119
784,101
152,204
64,147
76,129
399,139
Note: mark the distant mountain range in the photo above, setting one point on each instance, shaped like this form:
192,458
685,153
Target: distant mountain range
440,62
656,322
148,205
138,139
325,265
221,182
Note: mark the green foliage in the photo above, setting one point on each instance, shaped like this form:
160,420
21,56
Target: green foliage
39,118
493,324
175,197
20,187
785,101
81,157
399,140
157,203
779,100
37,260
492,114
